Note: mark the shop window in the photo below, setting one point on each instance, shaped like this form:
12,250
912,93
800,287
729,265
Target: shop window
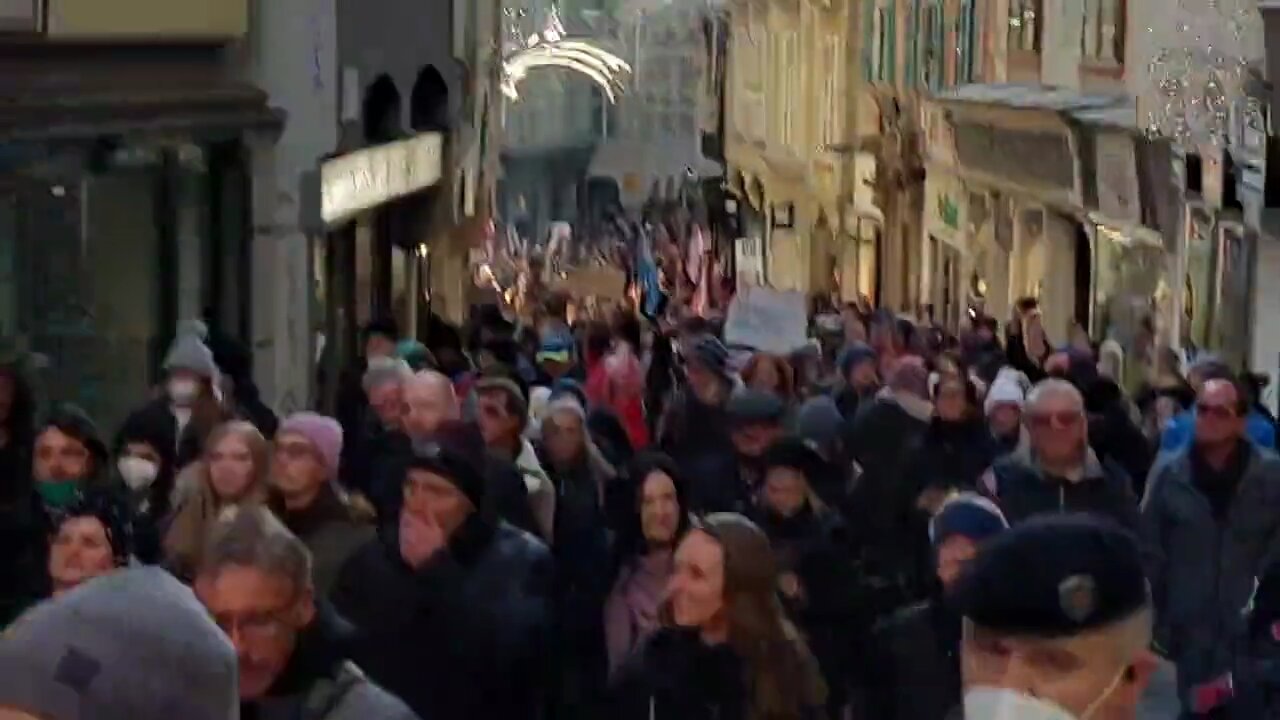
966,42
1024,25
1102,35
882,56
932,66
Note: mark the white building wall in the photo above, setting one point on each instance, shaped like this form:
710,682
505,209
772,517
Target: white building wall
292,57
658,134
1266,316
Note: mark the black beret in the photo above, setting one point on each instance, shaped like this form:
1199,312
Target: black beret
1054,576
751,407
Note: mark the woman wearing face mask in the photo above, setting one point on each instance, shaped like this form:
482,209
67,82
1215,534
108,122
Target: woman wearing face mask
233,472
94,537
655,520
726,649
144,466
816,580
191,405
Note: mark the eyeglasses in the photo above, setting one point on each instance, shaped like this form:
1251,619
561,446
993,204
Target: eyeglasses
1062,419
253,626
1216,412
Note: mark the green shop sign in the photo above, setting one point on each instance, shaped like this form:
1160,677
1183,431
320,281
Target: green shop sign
948,212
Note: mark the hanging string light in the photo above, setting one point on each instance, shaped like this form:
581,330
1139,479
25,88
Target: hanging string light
550,48
1198,80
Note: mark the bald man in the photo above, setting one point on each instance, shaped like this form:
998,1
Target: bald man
430,401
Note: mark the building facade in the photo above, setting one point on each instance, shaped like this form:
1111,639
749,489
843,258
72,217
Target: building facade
395,203
654,145
127,198
792,132
551,132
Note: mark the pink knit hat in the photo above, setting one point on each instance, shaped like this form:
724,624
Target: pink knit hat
323,432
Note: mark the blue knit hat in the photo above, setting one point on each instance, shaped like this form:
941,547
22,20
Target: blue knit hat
969,515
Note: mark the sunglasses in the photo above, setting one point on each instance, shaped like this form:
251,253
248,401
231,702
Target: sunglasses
1217,412
1062,419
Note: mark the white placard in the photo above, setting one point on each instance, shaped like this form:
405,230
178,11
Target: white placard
774,321
368,178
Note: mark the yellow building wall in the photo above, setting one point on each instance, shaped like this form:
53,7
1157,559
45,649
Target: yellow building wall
147,19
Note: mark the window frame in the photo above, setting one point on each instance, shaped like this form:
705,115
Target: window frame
1017,33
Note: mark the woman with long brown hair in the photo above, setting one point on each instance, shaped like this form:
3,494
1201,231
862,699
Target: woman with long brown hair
726,649
233,472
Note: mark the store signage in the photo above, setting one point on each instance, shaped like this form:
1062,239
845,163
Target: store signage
351,184
1118,194
945,214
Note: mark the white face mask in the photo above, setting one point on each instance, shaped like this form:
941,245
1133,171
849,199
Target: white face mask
183,391
985,703
137,473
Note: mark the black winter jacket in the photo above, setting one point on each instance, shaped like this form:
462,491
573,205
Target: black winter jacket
914,669
462,638
1022,489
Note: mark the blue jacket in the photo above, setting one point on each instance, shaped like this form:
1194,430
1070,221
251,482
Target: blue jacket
1181,430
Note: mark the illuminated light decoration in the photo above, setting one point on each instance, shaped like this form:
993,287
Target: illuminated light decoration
601,66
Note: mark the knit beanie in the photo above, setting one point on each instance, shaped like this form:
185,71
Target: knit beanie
131,645
323,432
188,352
969,515
819,422
1004,391
456,452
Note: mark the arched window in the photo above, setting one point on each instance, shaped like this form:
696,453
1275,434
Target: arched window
429,103
382,110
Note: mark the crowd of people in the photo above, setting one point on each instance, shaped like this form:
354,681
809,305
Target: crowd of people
626,518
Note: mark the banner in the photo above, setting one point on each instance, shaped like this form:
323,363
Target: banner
773,321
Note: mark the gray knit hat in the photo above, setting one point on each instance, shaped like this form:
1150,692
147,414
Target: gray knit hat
131,645
188,352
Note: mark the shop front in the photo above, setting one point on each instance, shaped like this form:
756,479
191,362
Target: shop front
122,212
945,249
372,258
1131,279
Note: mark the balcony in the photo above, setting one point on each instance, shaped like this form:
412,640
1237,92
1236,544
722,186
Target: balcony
133,20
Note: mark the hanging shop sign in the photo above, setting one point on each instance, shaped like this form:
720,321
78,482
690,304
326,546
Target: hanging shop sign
1118,194
365,179
945,198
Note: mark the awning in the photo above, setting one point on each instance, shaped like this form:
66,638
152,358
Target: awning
1029,97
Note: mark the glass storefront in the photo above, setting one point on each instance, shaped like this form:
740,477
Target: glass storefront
102,251
1234,317
1129,273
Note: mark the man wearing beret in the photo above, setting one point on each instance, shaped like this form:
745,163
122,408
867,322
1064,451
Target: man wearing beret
1056,623
452,604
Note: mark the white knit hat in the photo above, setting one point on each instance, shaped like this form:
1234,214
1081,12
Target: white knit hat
1004,391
